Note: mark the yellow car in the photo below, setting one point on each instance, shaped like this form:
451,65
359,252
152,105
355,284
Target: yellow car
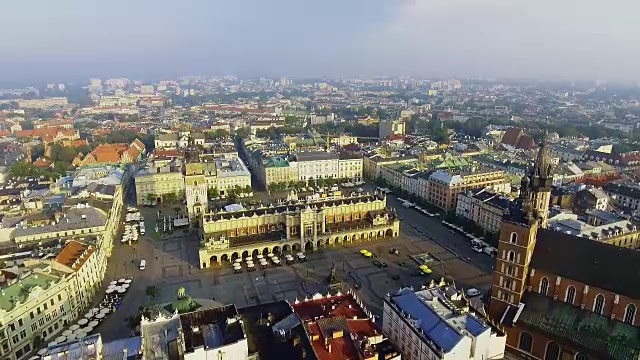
425,269
368,254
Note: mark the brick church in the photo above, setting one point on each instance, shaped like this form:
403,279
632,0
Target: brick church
559,296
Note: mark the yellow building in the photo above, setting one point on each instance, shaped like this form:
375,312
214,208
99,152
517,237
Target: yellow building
344,140
157,184
350,167
45,297
226,173
292,228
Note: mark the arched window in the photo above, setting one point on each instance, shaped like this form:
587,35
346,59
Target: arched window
510,270
513,238
195,182
511,256
552,352
598,304
544,286
581,356
507,284
630,314
526,342
570,296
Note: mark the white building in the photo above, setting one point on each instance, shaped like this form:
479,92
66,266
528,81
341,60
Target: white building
436,324
316,165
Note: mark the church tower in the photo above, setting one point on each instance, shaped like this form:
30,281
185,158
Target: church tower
518,235
195,186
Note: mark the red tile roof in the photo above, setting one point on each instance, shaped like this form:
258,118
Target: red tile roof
74,255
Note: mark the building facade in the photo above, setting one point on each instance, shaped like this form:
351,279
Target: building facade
435,324
484,207
296,227
445,186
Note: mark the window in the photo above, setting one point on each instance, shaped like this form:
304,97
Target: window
19,354
513,238
552,352
23,334
544,286
511,256
507,284
51,302
20,322
630,314
598,304
510,270
27,348
12,327
570,296
34,327
31,315
526,341
581,356
15,339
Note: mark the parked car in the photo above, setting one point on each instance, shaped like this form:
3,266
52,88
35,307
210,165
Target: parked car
394,251
380,264
477,249
473,292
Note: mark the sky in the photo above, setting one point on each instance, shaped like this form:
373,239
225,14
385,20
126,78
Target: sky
72,40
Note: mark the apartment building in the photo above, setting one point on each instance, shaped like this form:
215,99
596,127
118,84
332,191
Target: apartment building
226,173
42,297
350,166
436,323
484,207
371,165
315,165
445,186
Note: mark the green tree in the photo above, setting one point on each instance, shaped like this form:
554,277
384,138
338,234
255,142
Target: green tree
150,197
213,193
170,198
26,125
243,132
248,189
311,182
320,182
152,291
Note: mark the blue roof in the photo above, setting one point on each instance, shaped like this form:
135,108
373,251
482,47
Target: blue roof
474,326
436,328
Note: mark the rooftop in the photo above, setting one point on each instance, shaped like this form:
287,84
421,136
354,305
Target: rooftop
77,217
211,328
439,318
17,293
608,338
74,254
594,263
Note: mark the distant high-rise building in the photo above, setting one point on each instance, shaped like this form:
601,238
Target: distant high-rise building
61,87
95,82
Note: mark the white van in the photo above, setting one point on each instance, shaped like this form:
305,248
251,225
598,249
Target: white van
143,264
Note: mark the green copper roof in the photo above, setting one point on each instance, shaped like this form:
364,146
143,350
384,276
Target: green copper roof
19,291
608,338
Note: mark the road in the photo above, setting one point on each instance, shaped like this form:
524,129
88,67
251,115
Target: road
418,224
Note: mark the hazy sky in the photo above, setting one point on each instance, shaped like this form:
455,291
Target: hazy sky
74,39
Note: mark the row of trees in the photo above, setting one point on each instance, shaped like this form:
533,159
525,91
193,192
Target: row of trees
299,185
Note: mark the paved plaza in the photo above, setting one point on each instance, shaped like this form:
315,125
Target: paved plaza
172,263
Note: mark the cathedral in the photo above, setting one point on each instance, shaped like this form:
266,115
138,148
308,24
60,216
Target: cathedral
558,296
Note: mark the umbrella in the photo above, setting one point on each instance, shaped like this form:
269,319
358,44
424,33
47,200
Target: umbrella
74,327
237,266
83,322
42,352
88,315
88,329
61,339
128,281
109,291
260,256
238,261
71,337
300,254
113,283
92,324
276,261
270,255
124,286
53,343
122,280
34,358
81,334
100,315
105,311
66,333
122,290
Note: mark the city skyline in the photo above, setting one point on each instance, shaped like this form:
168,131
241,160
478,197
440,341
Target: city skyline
145,40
